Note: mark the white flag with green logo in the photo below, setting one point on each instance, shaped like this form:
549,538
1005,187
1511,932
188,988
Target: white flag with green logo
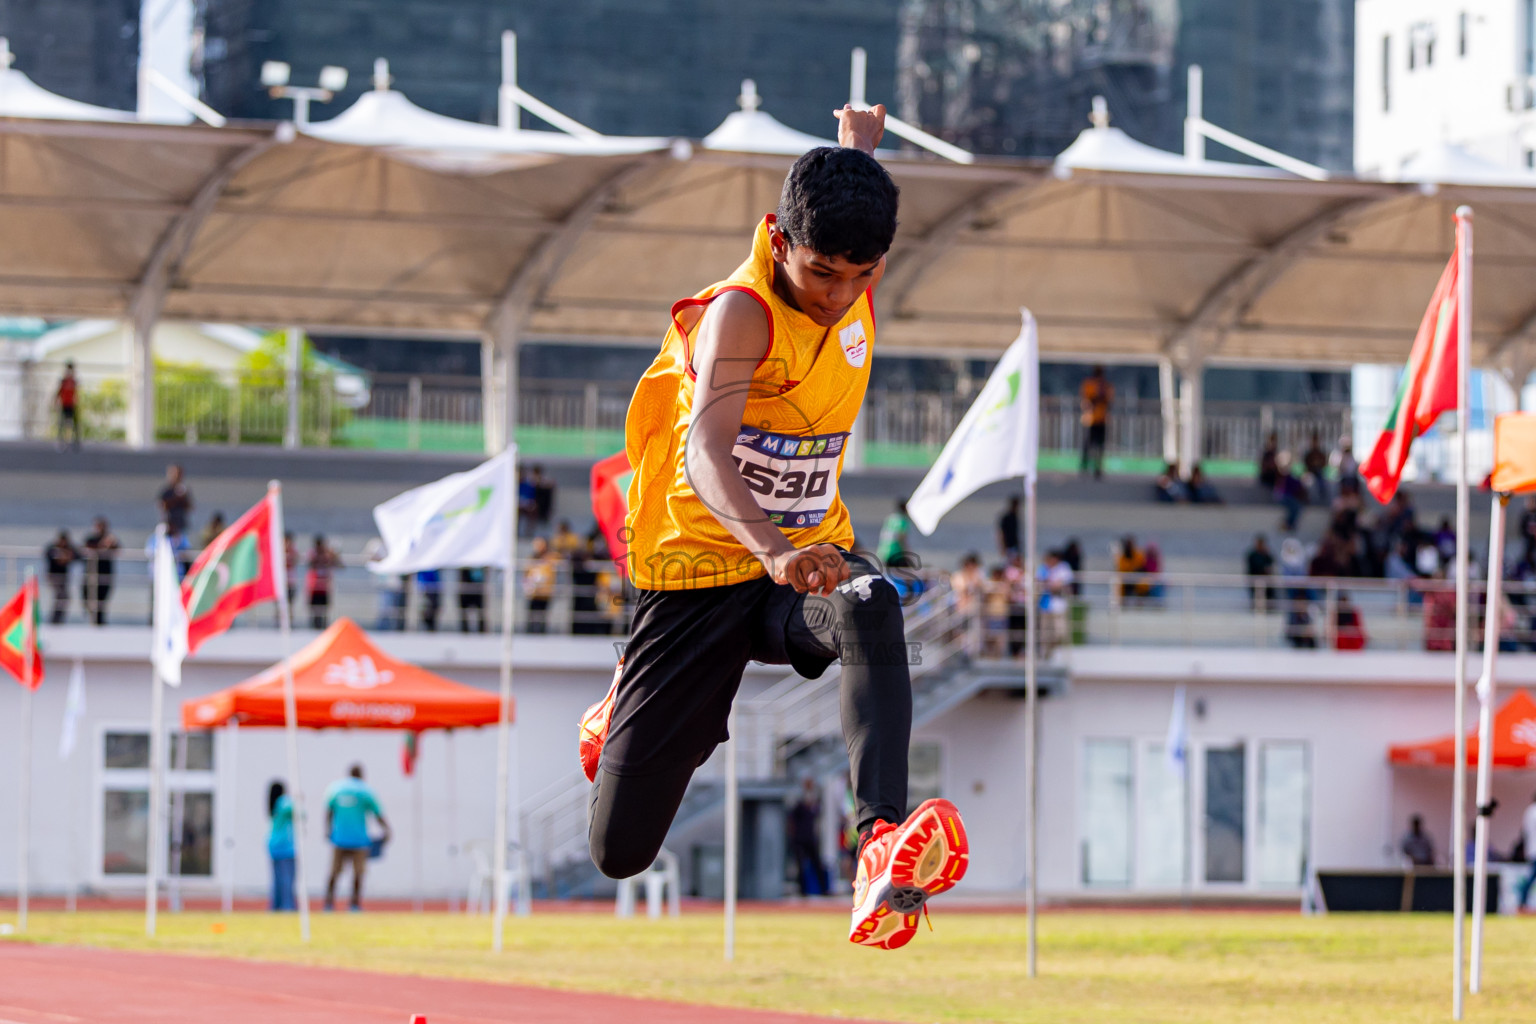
998,439
462,520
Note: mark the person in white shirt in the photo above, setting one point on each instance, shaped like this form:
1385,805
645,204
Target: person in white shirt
1528,832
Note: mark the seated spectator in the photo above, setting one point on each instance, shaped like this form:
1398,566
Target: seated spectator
995,612
1348,626
539,584
1445,540
1417,846
1153,567
1269,462
967,583
1018,606
1439,613
1055,601
1260,564
1298,621
1345,467
1397,565
566,540
1315,465
1072,554
1199,488
211,531
1130,560
1168,487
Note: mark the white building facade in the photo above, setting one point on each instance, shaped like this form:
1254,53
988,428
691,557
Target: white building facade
1454,72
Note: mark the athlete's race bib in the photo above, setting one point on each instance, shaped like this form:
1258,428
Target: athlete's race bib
794,479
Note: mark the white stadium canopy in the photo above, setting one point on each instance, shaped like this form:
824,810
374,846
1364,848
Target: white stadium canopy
392,219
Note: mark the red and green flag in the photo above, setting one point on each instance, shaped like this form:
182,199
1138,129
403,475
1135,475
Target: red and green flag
1428,388
233,573
610,504
20,654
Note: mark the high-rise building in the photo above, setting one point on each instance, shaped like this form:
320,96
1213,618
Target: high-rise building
661,67
1430,73
87,50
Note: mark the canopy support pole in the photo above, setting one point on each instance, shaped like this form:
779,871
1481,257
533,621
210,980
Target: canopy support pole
231,842
1192,401
294,366
417,813
1486,691
1463,517
1168,395
451,771
24,803
506,791
290,708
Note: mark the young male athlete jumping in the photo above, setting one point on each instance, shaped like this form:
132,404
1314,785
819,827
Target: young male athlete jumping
741,546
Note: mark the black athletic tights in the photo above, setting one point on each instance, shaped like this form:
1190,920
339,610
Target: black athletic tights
669,679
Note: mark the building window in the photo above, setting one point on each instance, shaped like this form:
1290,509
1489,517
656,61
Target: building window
925,772
1285,796
1386,74
1530,37
1461,35
124,803
1106,836
1421,45
1226,813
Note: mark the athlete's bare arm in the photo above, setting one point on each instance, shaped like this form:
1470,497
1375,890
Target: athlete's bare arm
732,339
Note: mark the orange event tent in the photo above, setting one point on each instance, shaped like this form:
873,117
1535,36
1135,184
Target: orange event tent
341,680
1514,740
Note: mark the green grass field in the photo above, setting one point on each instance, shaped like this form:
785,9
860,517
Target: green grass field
1118,967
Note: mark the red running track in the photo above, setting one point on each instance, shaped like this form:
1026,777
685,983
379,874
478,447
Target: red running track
75,985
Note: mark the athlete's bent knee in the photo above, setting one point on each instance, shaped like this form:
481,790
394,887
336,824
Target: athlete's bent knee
618,861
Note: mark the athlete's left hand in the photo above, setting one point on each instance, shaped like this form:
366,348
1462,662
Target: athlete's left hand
860,129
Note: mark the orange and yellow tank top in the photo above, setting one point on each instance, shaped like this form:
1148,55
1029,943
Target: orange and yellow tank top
804,396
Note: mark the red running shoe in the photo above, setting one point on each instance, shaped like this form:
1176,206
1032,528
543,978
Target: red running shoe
593,731
900,868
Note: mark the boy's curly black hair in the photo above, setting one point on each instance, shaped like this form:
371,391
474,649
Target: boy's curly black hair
839,202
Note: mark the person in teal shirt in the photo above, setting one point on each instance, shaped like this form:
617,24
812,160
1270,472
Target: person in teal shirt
280,846
348,805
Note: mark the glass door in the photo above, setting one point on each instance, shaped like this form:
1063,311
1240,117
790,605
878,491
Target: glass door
1225,814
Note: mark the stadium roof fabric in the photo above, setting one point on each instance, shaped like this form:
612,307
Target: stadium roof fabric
341,679
1514,740
1120,256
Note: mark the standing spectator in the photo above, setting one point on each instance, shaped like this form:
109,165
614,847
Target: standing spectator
1416,845
805,841
66,398
1260,565
280,846
966,583
1528,840
1020,614
100,553
390,589
539,585
317,582
429,585
527,514
587,602
1055,601
472,599
348,805
1072,554
892,547
1315,463
995,612
175,500
291,560
211,531
1445,541
1289,492
1346,467
1439,613
1095,398
1298,620
566,540
59,556
1152,565
543,496
1269,462
1008,530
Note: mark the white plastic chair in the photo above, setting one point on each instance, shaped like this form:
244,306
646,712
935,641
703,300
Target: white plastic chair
514,879
662,880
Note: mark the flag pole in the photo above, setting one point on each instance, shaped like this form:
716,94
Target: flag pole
732,835
24,804
156,767
290,704
504,718
1459,796
1031,702
1486,687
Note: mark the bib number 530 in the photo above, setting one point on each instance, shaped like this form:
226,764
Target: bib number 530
791,483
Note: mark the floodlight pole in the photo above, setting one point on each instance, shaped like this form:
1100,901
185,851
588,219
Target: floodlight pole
1493,607
895,125
1031,738
508,111
1197,129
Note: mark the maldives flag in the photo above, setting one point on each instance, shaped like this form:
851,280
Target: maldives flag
1428,388
20,654
610,505
233,573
